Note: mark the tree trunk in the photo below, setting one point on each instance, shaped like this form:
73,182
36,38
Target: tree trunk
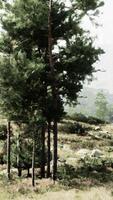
19,171
18,156
28,173
43,153
33,163
55,139
49,150
54,90
8,150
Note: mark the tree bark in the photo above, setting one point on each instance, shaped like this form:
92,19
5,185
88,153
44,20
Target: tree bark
28,173
18,156
54,90
55,141
43,153
8,150
33,163
49,150
19,171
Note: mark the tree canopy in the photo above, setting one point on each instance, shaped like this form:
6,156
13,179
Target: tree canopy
24,61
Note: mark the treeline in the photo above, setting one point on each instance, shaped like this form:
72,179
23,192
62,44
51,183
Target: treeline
45,56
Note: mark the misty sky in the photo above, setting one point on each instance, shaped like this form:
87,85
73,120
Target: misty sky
105,41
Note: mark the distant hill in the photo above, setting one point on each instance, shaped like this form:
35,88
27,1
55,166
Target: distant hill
86,102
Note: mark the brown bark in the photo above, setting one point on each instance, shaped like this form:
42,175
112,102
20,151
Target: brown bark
43,153
19,171
54,91
55,141
49,150
28,173
18,156
8,150
33,163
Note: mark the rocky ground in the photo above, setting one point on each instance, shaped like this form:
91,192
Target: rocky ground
85,170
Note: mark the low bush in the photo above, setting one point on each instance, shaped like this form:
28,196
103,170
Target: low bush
94,120
79,117
97,164
66,173
72,128
3,132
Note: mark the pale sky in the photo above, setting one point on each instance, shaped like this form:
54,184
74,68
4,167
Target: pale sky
105,41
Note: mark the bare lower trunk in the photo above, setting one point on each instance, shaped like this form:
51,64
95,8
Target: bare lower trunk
18,156
49,150
54,89
43,153
55,139
33,163
8,150
28,173
19,171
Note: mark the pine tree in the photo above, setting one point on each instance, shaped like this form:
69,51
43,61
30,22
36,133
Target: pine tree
52,77
101,106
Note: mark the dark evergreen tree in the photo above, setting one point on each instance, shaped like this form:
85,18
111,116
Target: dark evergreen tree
34,30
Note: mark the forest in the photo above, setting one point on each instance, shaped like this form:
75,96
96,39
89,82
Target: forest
46,56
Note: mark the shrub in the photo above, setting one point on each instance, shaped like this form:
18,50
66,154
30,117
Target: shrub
66,173
94,120
3,132
79,117
98,164
70,127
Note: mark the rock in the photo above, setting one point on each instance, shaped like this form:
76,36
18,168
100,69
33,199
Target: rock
108,136
96,153
97,128
83,152
71,161
95,135
104,132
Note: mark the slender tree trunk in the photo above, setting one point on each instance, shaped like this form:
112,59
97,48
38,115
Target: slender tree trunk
19,172
33,163
43,153
28,172
49,150
8,150
18,156
55,141
54,90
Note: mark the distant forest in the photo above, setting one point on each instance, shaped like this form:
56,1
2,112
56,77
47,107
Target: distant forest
86,101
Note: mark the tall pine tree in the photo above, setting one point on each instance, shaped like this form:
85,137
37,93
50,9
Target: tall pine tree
58,57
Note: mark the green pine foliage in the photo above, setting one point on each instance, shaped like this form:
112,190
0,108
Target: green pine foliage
101,106
26,77
24,52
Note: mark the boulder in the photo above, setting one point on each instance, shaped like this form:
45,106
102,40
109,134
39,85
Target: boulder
83,152
97,128
96,153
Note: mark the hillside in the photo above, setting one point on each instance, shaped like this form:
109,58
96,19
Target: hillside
85,169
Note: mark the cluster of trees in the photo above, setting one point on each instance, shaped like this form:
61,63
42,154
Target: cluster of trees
45,56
